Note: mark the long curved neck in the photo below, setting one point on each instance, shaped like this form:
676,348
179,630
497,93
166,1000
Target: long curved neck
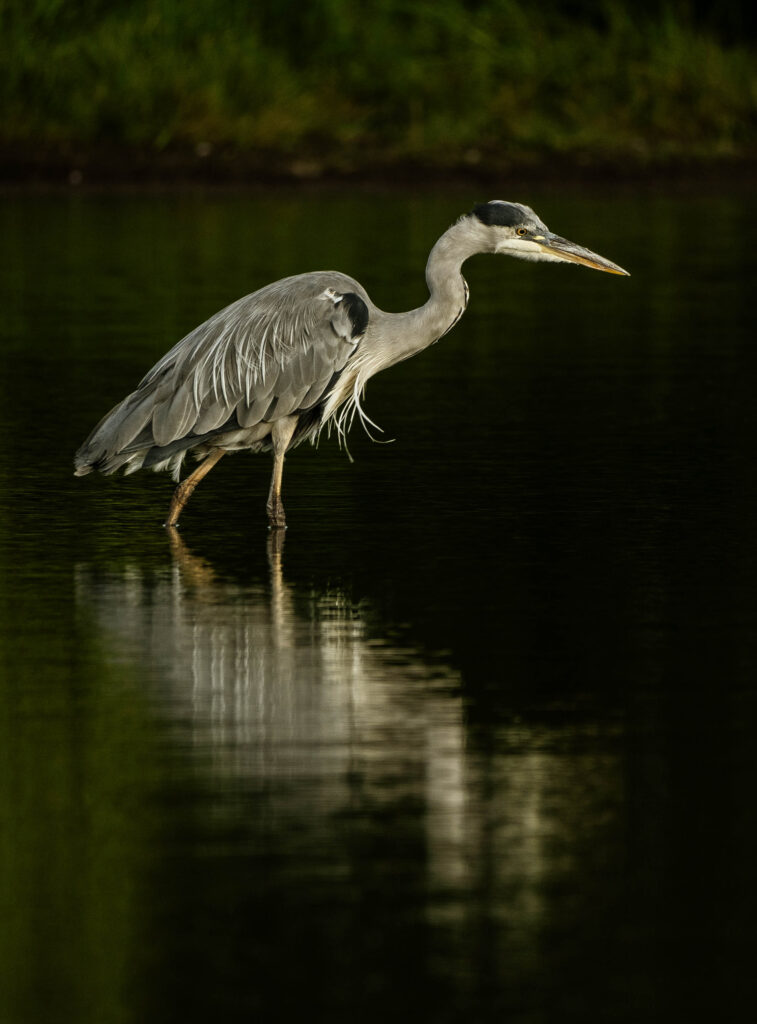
404,334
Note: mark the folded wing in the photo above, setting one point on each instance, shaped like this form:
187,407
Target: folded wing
275,353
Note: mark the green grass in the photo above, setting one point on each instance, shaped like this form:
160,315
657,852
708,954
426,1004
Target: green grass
347,86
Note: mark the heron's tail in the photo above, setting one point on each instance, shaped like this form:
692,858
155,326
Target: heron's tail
112,443
141,432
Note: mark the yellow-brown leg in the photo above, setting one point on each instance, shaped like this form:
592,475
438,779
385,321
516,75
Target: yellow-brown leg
183,492
281,435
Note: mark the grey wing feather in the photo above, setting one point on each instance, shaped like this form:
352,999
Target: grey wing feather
267,355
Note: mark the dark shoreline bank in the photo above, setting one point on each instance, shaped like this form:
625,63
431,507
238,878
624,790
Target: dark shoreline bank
108,167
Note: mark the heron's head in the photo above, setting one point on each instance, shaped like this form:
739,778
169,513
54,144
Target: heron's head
515,230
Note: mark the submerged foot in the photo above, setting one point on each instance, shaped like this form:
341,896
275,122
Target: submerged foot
276,517
180,497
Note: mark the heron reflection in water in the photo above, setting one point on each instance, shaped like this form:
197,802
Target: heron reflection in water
276,681
268,670
277,367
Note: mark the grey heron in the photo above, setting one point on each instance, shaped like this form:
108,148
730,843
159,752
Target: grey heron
274,368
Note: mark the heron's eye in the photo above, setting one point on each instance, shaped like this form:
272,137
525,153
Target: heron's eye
522,231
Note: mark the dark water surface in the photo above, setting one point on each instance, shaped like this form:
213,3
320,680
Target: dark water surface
478,744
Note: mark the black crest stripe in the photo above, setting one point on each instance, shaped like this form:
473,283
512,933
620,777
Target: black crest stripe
503,214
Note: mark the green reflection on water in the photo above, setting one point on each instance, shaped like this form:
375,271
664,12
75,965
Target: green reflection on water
75,785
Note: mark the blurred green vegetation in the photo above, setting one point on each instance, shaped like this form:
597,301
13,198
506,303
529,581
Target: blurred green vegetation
338,86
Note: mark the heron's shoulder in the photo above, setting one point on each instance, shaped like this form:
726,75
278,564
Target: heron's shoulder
300,307
305,287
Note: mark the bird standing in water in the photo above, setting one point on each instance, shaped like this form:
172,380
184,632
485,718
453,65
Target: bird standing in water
274,368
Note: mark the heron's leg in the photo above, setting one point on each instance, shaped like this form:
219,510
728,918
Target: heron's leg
281,436
183,492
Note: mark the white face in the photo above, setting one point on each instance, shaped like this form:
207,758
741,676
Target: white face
516,229
528,249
